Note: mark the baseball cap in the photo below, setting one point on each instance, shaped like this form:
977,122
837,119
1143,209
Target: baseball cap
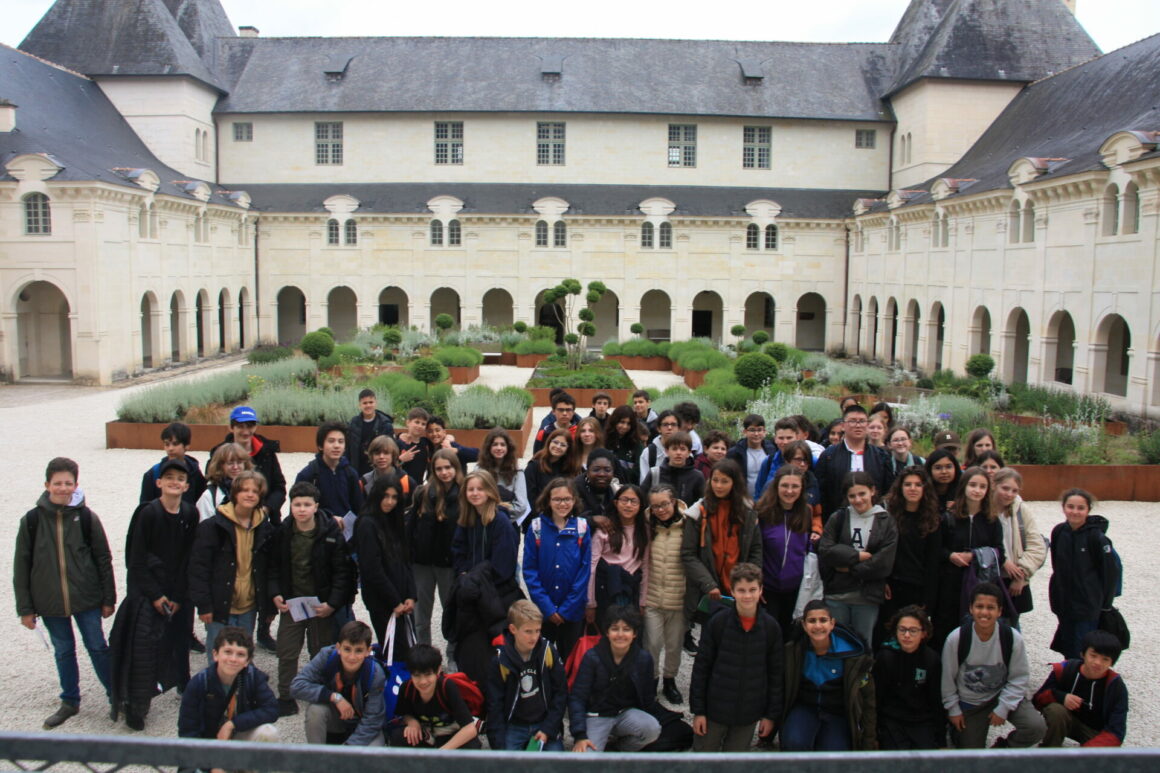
946,438
243,413
172,464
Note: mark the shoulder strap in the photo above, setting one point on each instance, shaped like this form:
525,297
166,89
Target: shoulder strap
86,518
965,632
537,529
1006,642
581,531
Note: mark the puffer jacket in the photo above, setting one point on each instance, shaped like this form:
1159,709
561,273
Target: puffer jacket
737,676
666,586
58,574
697,548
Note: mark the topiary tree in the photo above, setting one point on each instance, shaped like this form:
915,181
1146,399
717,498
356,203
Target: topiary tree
755,370
392,337
443,323
327,331
738,332
777,351
760,337
316,345
980,365
567,292
427,370
520,327
636,328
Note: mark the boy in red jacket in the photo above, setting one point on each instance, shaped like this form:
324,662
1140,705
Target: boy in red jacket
1085,699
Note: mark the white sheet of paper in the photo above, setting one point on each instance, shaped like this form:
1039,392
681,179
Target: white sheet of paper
348,526
302,607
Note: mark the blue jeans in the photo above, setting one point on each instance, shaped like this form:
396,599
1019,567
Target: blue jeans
64,645
808,729
517,737
245,621
860,617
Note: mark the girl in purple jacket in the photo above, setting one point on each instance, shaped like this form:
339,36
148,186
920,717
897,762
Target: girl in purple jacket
786,519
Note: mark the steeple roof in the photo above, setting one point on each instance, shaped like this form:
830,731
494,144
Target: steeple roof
131,37
1013,40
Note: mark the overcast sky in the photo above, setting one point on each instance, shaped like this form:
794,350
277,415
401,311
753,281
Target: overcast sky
1112,23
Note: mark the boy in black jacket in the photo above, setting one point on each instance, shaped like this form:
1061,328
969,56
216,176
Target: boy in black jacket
737,676
175,438
677,469
339,487
615,689
526,688
231,699
310,559
1085,699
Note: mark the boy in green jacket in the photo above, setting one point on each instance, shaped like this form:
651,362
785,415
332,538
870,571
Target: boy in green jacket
63,570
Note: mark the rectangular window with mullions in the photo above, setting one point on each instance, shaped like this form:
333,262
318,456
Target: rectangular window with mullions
328,143
449,142
682,144
865,139
243,132
549,143
757,145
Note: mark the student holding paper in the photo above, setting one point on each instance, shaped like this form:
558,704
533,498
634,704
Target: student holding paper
310,561
388,582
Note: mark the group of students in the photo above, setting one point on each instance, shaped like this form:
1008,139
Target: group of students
627,518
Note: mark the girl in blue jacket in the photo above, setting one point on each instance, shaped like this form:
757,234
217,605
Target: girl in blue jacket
557,559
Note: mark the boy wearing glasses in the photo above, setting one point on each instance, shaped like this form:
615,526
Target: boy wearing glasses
751,451
853,454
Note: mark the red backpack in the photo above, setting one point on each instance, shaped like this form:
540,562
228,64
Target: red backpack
468,690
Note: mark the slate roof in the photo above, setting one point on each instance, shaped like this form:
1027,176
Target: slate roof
68,117
126,37
801,80
510,198
1068,116
1016,40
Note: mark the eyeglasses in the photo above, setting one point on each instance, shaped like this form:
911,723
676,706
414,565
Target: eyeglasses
627,501
857,422
755,430
668,424
909,631
662,506
562,500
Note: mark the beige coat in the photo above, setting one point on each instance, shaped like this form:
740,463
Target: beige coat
1030,555
666,585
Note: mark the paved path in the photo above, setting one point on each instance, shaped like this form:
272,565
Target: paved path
40,422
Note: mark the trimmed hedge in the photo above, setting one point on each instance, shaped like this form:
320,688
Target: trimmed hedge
459,356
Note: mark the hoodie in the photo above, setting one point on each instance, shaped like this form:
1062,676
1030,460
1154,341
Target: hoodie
858,582
228,564
506,677
1085,573
838,682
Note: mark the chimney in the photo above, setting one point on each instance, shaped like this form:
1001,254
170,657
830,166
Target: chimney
7,116
248,32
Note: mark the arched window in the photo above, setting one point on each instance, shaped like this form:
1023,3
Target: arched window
1131,202
332,232
945,235
909,148
436,233
646,235
559,234
1111,211
197,144
1014,222
454,234
37,215
143,222
894,236
1028,223
859,239
351,232
542,234
752,236
771,237
666,234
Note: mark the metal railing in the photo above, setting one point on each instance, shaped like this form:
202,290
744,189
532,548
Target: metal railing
107,754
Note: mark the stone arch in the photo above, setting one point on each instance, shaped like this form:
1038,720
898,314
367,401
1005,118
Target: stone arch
936,335
394,308
656,315
890,342
151,356
43,332
760,313
979,332
1016,346
445,300
872,329
291,315
499,310
546,317
178,327
203,321
855,333
911,332
342,313
811,322
244,333
224,342
607,321
1111,354
708,311
1059,349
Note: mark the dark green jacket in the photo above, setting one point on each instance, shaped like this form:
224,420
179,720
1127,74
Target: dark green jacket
60,575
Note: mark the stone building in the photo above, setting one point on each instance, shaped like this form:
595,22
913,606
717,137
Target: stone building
210,188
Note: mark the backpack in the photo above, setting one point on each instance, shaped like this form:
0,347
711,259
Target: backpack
581,531
366,674
468,690
86,518
1006,642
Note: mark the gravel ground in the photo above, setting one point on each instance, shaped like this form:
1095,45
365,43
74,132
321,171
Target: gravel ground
44,421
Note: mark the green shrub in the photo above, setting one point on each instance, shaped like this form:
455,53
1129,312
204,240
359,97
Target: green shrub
508,341
610,349
317,345
169,402
329,362
663,348
326,331
520,327
638,347
264,354
536,346
961,413
774,403
444,322
729,397
737,331
427,370
925,383
1149,445
636,328
348,352
478,407
760,337
705,359
682,394
284,372
306,407
980,365
778,351
720,377
459,356
1057,403
519,393
856,378
1033,444
406,393
755,370
542,333
392,337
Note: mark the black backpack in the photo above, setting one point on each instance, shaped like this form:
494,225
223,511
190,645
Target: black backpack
1006,642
